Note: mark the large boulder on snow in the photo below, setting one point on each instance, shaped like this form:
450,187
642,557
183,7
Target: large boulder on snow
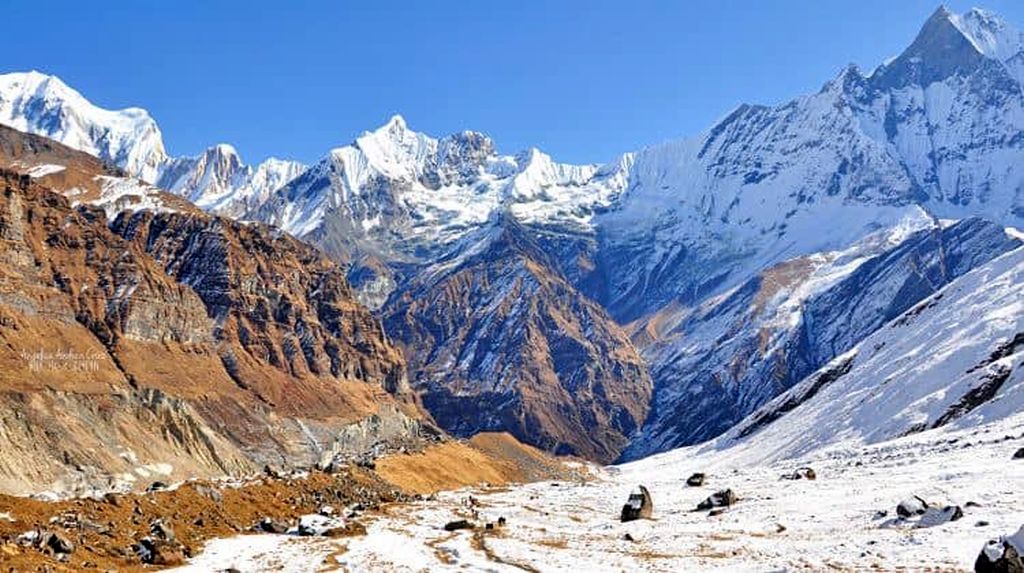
724,498
934,516
912,506
1003,555
638,506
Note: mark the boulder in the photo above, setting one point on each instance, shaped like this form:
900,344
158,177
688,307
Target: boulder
695,480
723,498
162,531
271,525
1019,454
28,538
316,524
58,544
210,493
937,516
911,506
160,552
1003,555
800,473
638,506
156,486
458,524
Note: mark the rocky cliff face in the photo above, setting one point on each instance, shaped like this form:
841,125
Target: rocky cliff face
180,345
279,306
75,303
499,339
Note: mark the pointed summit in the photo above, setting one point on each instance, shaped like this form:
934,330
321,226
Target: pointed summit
940,50
395,126
396,122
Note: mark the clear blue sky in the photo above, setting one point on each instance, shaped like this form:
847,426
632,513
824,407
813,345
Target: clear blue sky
583,80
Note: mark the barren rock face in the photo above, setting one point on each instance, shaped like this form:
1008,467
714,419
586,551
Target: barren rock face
278,304
499,340
181,344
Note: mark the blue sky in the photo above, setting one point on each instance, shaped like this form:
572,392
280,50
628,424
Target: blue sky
582,80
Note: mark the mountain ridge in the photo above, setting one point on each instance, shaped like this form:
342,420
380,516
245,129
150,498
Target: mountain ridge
660,233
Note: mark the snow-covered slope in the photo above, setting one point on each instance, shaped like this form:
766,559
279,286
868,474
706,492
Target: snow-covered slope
993,37
845,520
216,181
721,361
956,359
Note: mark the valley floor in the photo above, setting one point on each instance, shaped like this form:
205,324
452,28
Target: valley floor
833,522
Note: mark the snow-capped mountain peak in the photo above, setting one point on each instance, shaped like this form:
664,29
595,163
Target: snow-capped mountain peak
950,44
217,180
44,105
940,50
395,150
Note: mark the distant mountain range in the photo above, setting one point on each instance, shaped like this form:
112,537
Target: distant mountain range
656,301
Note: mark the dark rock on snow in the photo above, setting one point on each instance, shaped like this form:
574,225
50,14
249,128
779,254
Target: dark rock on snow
724,498
1002,555
271,525
639,506
458,524
800,473
911,506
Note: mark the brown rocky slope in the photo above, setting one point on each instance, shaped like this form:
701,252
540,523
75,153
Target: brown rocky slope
189,346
